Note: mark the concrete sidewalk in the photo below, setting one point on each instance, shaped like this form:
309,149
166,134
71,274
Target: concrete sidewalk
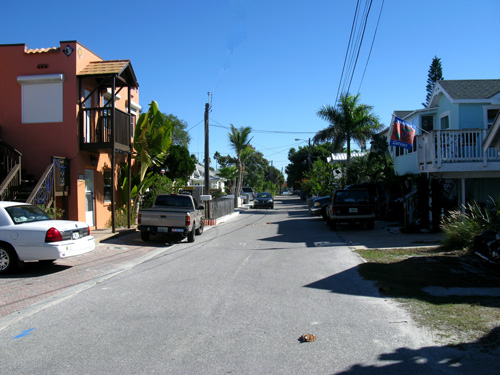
387,235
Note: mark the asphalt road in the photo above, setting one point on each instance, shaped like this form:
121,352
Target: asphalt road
235,301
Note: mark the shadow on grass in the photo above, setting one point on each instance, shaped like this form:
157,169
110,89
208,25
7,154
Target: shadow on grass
408,277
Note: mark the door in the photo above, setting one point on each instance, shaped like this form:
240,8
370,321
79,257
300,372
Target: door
89,197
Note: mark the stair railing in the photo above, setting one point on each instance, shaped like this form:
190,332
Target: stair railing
10,167
50,183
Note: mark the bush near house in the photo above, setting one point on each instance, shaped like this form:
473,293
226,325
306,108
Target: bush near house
461,228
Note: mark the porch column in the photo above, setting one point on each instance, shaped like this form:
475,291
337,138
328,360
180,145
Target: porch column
462,181
113,157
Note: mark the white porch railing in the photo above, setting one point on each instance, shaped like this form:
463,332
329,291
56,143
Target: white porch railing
440,148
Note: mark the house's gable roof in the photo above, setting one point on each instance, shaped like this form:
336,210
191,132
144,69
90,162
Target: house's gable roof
402,114
473,90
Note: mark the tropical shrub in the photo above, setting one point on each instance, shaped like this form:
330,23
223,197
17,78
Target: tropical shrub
460,228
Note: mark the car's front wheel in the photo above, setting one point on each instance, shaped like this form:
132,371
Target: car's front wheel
323,213
8,259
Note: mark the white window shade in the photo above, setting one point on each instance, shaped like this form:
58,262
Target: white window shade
42,98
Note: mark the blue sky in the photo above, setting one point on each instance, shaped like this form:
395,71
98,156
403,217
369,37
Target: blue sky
269,64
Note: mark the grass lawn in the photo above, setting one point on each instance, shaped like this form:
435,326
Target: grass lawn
404,273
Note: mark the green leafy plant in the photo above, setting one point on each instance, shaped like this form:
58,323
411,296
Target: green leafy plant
461,228
121,217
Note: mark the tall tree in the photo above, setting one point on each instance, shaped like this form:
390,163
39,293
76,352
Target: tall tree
299,161
240,142
349,121
179,134
178,164
435,74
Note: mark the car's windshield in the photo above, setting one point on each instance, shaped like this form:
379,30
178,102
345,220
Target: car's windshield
263,195
26,214
247,190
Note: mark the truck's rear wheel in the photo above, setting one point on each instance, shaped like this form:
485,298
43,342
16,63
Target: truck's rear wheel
145,236
333,225
200,229
191,235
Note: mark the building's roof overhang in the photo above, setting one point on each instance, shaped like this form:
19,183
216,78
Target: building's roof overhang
106,70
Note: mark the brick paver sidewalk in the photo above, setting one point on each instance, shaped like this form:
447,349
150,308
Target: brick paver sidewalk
35,282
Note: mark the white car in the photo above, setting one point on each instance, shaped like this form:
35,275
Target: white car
28,233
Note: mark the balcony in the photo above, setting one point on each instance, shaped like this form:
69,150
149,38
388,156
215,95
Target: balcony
98,132
455,151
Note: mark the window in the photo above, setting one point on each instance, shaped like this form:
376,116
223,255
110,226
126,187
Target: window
134,108
445,122
107,186
42,98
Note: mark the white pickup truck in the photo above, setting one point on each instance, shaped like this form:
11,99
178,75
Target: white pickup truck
173,214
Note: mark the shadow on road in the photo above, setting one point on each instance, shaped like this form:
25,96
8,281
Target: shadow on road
475,357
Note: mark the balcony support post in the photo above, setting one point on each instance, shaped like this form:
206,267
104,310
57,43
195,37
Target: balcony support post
113,158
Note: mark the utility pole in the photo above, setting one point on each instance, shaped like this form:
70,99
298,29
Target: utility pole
207,154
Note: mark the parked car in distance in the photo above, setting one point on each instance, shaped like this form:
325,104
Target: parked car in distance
248,191
319,205
27,233
351,206
174,214
264,200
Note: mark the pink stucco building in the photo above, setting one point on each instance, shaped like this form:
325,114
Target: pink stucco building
64,110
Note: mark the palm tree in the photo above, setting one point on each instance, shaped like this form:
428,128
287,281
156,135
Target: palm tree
350,120
241,145
230,174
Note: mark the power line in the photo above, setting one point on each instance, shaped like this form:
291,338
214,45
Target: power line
262,131
360,43
347,51
355,43
194,126
371,47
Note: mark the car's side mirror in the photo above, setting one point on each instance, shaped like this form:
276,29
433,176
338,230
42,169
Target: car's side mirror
201,207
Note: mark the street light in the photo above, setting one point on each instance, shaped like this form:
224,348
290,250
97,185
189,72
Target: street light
308,151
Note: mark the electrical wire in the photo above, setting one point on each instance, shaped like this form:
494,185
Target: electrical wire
358,30
347,51
371,47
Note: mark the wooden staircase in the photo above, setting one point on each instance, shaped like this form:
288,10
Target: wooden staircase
10,172
19,186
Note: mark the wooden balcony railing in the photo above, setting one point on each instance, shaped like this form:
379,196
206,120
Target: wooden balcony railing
98,132
441,148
